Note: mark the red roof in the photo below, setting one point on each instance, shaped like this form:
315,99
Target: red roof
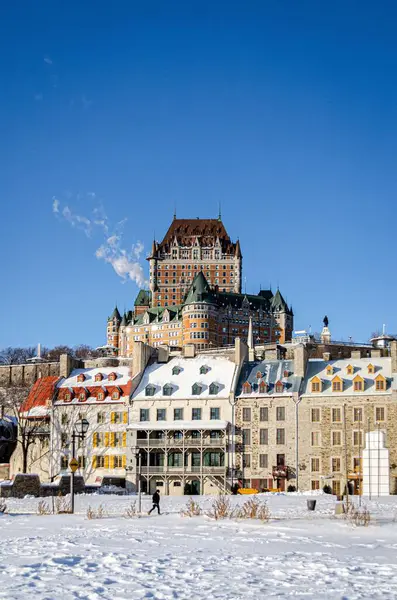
40,395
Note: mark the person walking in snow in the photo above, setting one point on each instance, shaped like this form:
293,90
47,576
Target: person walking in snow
156,502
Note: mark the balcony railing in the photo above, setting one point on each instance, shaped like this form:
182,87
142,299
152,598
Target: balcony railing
280,472
187,470
187,442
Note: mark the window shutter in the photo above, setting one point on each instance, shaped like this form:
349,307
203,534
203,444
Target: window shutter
112,417
112,460
94,462
95,440
106,438
124,439
106,462
124,461
112,439
125,417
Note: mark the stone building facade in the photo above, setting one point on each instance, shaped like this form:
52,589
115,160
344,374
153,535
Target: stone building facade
341,401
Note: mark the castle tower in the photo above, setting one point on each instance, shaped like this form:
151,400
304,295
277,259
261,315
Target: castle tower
188,247
113,327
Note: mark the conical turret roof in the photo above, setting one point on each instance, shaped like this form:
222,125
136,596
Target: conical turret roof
199,291
278,302
115,315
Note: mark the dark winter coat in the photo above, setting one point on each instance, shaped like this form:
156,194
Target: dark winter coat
156,498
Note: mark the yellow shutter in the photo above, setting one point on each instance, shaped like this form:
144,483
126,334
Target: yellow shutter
106,438
95,440
106,462
112,417
94,462
124,439
113,439
124,461
125,417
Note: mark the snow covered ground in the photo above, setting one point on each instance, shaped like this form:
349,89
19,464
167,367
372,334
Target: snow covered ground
296,554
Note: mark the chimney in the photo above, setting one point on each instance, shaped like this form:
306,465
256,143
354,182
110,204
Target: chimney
300,360
241,351
393,354
355,354
189,351
326,356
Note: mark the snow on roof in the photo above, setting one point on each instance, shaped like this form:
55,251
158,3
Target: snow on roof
123,377
178,425
220,371
40,397
271,372
318,367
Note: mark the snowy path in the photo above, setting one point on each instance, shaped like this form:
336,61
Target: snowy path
316,556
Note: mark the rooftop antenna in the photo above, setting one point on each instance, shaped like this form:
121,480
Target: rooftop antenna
174,210
219,212
245,285
384,329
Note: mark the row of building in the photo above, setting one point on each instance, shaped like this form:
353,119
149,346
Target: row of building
189,421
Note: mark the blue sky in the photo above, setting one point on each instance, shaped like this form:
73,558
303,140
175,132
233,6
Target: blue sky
285,112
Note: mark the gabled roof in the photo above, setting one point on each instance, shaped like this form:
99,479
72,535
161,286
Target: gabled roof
143,298
278,302
185,231
272,372
39,400
200,291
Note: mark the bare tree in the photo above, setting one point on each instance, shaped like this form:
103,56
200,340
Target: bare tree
55,353
16,356
84,351
32,425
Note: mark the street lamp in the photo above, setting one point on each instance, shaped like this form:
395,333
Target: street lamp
80,429
137,451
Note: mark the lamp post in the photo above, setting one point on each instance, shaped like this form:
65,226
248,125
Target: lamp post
79,432
137,451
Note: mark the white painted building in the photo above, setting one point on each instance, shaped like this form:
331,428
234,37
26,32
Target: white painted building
181,425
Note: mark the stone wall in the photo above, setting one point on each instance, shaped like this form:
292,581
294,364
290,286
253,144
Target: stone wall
22,486
20,375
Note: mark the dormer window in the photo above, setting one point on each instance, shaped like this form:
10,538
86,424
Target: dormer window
337,384
167,390
80,378
176,370
349,369
67,397
358,384
100,396
279,387
214,388
247,389
115,395
82,396
263,387
150,390
196,389
286,373
98,377
112,376
259,375
330,370
380,383
371,369
316,385
204,370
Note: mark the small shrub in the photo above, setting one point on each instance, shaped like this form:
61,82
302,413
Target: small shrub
360,517
130,511
327,489
62,504
3,506
253,509
99,513
291,488
192,509
221,508
43,508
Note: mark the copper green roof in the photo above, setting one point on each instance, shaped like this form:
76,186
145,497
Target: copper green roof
143,298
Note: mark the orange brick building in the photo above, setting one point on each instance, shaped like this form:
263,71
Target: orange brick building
195,295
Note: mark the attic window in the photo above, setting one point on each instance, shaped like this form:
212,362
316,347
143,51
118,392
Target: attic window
371,369
82,397
286,373
115,395
100,396
67,397
204,370
98,377
262,387
112,376
380,383
176,370
150,390
316,386
349,369
214,388
167,390
279,387
247,389
196,389
358,385
337,385
259,375
330,370
81,377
